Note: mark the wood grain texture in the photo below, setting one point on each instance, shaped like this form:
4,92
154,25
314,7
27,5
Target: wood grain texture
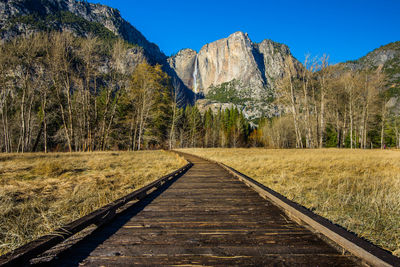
206,217
22,255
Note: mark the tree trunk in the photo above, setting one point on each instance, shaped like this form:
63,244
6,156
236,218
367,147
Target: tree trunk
172,130
344,127
66,132
351,124
383,124
316,114
143,118
5,130
44,103
22,137
135,133
366,126
103,123
28,137
338,130
397,132
70,119
109,125
308,121
34,148
322,120
131,144
140,130
299,142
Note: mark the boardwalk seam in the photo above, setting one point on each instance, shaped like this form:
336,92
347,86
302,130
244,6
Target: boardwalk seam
361,248
22,255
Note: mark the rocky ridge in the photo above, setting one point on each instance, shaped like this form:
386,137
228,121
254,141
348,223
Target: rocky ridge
236,70
82,18
24,16
388,57
230,71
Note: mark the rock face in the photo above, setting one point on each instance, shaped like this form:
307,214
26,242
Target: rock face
237,68
231,70
387,57
183,63
255,65
273,56
21,16
229,59
82,18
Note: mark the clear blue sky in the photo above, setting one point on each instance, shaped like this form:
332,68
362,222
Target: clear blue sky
344,30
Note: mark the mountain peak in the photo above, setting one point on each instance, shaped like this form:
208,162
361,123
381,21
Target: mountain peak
239,34
234,69
274,47
186,51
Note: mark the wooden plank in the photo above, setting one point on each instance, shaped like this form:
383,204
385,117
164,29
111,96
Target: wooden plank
22,255
204,217
216,260
361,248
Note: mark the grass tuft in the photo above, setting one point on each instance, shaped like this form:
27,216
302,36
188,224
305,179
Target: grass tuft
48,168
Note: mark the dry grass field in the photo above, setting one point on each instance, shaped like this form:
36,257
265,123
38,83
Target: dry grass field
357,189
41,192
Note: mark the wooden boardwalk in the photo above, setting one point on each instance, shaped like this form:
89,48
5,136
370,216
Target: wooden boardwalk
205,217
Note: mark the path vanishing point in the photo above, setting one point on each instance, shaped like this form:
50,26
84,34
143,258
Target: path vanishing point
205,217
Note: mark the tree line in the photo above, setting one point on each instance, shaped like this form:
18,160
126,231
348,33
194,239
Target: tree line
60,92
225,128
65,93
331,106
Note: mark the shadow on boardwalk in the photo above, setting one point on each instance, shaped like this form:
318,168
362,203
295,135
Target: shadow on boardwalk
205,217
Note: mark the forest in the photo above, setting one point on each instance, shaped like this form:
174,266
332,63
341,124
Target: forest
332,106
65,93
60,92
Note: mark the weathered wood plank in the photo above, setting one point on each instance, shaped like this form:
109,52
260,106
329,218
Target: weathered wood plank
22,255
206,217
366,251
215,260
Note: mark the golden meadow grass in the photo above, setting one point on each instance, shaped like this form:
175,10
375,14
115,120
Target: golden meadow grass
41,192
357,189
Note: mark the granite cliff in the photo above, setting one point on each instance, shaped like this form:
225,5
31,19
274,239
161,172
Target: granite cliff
234,70
229,71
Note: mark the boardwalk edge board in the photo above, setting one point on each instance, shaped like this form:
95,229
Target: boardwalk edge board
360,248
23,254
